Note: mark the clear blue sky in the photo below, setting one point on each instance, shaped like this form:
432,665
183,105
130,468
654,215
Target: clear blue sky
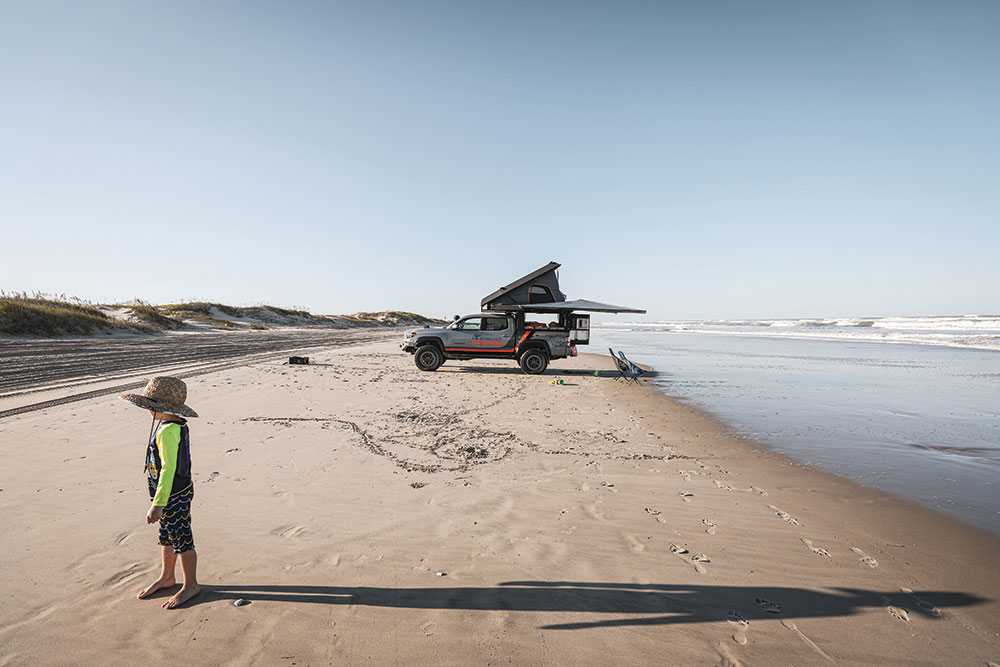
698,159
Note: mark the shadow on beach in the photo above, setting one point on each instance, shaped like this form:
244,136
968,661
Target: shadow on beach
661,604
605,373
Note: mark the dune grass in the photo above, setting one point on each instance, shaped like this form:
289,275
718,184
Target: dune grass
153,317
46,315
201,311
22,315
204,310
388,317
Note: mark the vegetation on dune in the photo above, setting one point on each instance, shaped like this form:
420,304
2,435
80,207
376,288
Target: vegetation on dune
387,317
202,312
204,309
201,308
150,315
45,315
40,315
284,312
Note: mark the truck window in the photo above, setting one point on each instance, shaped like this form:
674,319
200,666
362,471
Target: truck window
495,324
470,324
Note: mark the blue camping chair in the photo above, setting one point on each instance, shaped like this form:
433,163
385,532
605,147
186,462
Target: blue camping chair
622,366
632,372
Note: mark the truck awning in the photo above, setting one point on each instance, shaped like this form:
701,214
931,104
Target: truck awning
556,306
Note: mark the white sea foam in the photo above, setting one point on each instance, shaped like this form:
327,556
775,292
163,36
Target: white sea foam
972,331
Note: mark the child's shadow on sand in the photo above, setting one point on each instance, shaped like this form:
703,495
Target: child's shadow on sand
658,604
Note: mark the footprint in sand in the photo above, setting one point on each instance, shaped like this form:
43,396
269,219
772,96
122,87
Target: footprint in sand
686,475
428,628
768,606
762,492
123,537
923,604
819,551
740,626
722,486
898,612
609,487
685,496
785,516
696,560
710,526
810,643
568,531
865,558
593,512
130,572
288,531
656,514
635,545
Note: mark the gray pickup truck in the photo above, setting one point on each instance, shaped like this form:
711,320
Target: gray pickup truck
495,335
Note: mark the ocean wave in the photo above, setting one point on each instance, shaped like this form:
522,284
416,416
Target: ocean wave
971,331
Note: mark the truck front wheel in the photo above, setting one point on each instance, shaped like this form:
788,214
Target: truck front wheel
428,357
534,362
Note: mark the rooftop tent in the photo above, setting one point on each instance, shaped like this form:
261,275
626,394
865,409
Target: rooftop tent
541,286
539,292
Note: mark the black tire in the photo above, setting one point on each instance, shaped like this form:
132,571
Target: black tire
428,357
534,362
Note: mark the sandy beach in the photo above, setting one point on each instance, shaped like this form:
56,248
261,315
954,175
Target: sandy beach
371,513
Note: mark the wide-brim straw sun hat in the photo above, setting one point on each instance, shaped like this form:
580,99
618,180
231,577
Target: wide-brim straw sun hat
163,394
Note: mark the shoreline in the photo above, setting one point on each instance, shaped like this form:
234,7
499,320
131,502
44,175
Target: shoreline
729,431
569,523
914,421
781,459
786,459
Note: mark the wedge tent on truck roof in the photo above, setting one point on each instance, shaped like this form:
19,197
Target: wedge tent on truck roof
538,292
541,286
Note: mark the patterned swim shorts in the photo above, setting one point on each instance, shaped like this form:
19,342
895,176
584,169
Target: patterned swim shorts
175,526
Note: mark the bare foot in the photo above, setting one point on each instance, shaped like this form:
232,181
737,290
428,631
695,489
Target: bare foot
183,595
155,586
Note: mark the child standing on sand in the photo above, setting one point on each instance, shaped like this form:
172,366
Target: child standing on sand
171,489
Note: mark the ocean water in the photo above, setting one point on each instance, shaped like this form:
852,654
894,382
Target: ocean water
972,331
917,420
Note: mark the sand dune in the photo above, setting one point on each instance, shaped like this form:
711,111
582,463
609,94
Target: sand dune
373,513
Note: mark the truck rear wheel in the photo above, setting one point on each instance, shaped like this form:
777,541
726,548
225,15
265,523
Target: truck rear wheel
428,357
534,362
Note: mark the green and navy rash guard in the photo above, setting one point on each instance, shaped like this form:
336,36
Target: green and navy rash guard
168,462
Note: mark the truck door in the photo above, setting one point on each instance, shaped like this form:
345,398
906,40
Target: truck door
466,334
498,333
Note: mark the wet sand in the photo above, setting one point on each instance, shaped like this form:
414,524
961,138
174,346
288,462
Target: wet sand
373,513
